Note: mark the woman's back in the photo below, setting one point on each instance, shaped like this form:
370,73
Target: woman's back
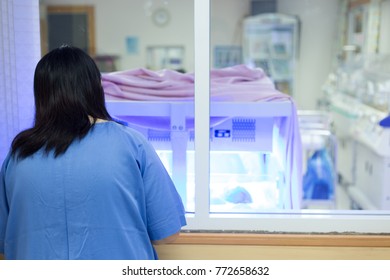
106,197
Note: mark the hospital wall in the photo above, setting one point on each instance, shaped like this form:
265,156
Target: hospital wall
19,32
114,23
119,19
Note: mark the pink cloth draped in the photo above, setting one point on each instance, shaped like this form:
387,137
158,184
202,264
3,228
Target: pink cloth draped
232,84
236,83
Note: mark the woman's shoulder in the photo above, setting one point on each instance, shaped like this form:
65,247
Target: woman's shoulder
123,130
5,162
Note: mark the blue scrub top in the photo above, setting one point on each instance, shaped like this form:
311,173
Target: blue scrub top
105,198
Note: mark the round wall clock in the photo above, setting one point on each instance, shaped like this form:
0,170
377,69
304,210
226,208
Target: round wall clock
161,17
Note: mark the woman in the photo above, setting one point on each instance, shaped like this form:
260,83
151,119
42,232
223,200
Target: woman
78,185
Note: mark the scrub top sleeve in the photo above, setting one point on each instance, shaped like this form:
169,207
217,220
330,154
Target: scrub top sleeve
3,205
164,207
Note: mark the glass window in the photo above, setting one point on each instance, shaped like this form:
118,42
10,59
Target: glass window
245,71
149,45
283,126
318,70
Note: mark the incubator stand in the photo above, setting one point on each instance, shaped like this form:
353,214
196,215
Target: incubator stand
371,190
344,111
316,135
245,174
363,153
359,97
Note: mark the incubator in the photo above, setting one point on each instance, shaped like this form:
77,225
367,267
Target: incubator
254,147
240,182
247,174
359,98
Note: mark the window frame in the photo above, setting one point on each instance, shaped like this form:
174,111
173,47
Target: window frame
304,221
292,221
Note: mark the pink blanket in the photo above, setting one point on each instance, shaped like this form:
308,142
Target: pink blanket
234,84
237,83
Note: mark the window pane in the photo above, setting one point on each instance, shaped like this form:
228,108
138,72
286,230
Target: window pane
145,50
248,160
333,70
318,61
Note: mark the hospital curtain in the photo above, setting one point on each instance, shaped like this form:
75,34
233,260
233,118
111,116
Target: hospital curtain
19,53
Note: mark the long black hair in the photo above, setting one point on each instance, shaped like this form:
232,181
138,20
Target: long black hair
68,94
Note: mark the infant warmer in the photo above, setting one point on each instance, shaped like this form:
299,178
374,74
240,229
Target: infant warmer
255,148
